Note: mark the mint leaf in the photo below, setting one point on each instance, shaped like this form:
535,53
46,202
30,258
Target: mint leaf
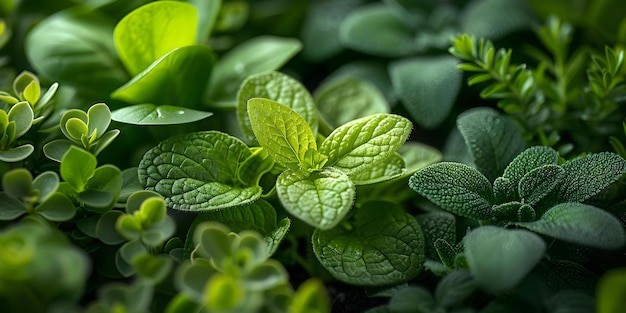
456,188
385,246
582,224
198,171
280,88
500,258
150,114
492,138
362,143
321,198
282,132
389,169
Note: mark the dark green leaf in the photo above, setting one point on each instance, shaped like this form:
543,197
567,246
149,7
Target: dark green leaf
506,188
10,208
106,230
413,299
436,225
539,182
493,19
57,207
150,114
455,288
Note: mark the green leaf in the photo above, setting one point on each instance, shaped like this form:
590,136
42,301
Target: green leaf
389,169
493,19
22,114
345,99
310,297
10,208
224,293
198,171
99,119
106,178
455,288
55,149
585,177
208,12
107,231
16,154
152,30
571,301
500,258
57,208
213,242
436,225
281,131
97,201
266,275
150,114
321,199
493,140
46,183
538,183
429,95
413,299
77,167
611,290
384,246
166,81
257,55
582,224
376,29
416,156
280,88
455,187
152,268
361,144
18,183
75,47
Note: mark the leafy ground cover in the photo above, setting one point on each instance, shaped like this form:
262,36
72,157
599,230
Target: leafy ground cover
312,156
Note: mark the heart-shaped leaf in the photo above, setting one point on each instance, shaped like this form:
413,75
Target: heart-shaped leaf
385,246
150,114
321,199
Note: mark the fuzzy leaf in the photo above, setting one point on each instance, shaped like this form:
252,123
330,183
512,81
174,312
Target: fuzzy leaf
152,30
456,188
500,258
493,140
375,29
429,95
361,144
281,131
582,224
280,88
150,114
436,225
321,199
198,171
385,246
539,182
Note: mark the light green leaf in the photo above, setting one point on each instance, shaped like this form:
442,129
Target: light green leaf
198,171
281,131
582,224
321,199
377,30
389,169
417,155
280,88
106,178
46,183
493,19
167,80
362,143
427,87
213,242
150,114
257,55
385,246
310,297
455,187
99,117
152,268
492,138
266,275
152,30
57,208
538,183
77,167
343,100
22,114
75,47
18,183
208,10
500,258
611,290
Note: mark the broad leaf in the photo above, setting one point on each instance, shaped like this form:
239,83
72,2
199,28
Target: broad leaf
493,19
455,187
281,131
77,167
311,296
280,88
362,143
75,47
22,114
198,171
582,224
208,11
152,30
500,258
167,80
10,208
321,199
493,140
455,288
150,114
538,183
384,246
389,169
427,87
412,299
376,29
16,154
58,207
257,55
436,225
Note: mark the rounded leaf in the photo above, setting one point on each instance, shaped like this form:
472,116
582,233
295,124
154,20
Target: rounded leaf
22,114
46,183
150,114
18,183
17,154
10,208
108,232
213,242
99,118
57,208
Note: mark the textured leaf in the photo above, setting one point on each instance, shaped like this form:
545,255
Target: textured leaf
362,143
281,131
152,30
436,225
343,100
321,199
198,171
493,140
389,169
375,29
582,224
280,88
585,177
167,80
257,55
493,19
384,247
427,87
539,182
500,258
455,187
150,114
